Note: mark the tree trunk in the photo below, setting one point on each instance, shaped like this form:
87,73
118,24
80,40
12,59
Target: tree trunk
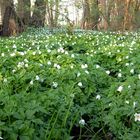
120,11
86,15
50,11
105,13
94,12
11,22
127,25
24,11
39,13
56,13
136,14
2,9
5,28
9,13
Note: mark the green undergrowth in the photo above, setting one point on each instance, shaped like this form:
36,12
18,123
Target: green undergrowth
70,87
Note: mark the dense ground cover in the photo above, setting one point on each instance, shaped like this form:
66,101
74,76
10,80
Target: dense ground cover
82,86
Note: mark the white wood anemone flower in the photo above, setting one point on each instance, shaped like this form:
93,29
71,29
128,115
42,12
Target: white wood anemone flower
137,117
120,88
82,122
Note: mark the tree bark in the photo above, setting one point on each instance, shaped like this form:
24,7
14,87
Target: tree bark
2,9
56,13
39,13
94,14
11,22
136,14
9,13
24,11
86,15
50,11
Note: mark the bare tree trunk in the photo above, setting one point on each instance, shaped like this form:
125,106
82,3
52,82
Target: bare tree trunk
108,12
9,13
105,14
11,22
2,8
52,12
86,15
20,10
24,11
136,14
56,13
94,14
127,16
120,11
38,17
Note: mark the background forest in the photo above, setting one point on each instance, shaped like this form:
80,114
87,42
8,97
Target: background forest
85,14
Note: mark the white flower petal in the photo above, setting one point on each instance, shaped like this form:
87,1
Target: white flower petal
137,117
80,84
82,122
98,97
120,88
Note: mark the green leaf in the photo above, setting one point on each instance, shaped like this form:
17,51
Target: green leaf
24,138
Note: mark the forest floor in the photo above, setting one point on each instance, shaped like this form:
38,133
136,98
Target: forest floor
70,87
